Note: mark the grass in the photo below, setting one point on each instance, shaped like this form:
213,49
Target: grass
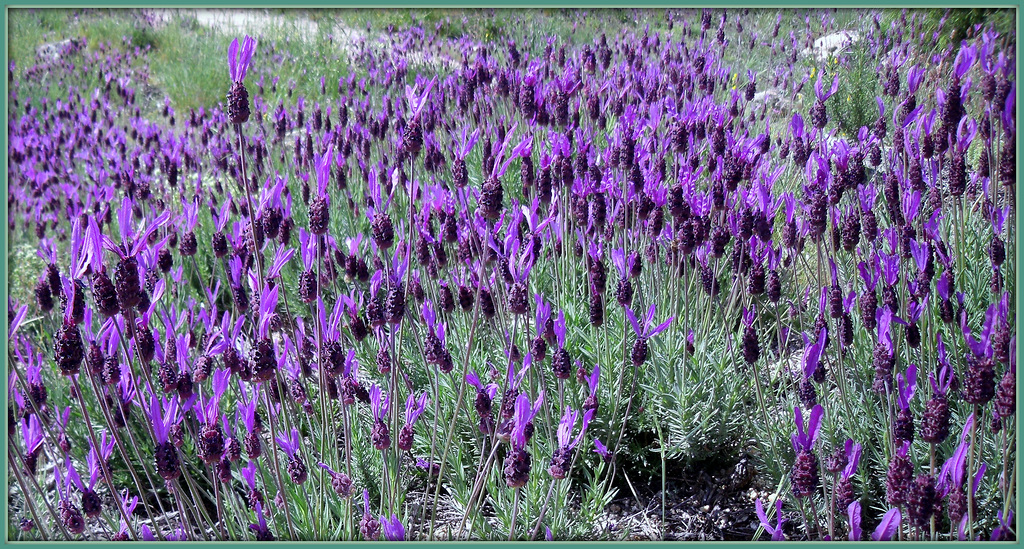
187,63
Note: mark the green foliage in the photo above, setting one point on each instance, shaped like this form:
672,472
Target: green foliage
853,106
33,28
189,66
960,24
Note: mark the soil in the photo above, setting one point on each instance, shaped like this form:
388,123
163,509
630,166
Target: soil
702,503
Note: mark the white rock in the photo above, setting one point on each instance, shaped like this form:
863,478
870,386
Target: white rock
51,52
831,45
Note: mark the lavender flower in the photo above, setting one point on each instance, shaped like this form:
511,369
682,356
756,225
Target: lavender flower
518,462
381,435
591,404
899,477
775,530
162,419
953,476
238,65
70,515
484,396
413,409
393,529
751,347
341,482
296,467
805,468
560,362
32,434
562,456
888,526
319,213
602,450
643,333
261,530
369,527
129,507
853,516
255,496
812,359
903,424
844,494
935,422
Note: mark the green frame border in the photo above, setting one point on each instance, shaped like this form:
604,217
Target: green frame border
500,4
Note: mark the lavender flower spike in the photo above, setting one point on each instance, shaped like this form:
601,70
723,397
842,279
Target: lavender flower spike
887,528
239,58
776,530
290,444
853,513
393,529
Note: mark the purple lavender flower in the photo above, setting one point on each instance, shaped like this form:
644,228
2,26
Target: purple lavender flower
413,409
460,175
591,404
70,515
952,478
369,527
92,506
888,526
844,494
805,468
261,530
291,445
775,530
252,421
380,434
602,450
255,496
751,347
899,477
819,118
484,396
935,421
561,362
903,424
162,419
517,462
129,507
853,516
644,332
341,482
979,379
921,500
1004,531
562,457
319,213
393,529
519,267
238,65
812,362
884,357
32,434
68,350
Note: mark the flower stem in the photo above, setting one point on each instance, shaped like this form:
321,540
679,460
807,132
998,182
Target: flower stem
515,514
108,479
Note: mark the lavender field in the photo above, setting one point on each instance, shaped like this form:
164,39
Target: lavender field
736,274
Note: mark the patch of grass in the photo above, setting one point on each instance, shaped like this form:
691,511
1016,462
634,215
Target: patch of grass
30,28
956,25
853,105
106,27
190,66
23,270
